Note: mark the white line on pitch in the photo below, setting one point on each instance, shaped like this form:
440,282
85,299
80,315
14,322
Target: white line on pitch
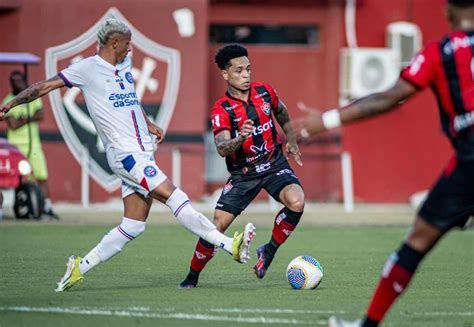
177,315
283,311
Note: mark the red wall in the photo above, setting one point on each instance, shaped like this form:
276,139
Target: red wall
404,151
393,156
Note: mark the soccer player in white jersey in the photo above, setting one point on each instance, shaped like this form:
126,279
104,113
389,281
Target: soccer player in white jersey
127,134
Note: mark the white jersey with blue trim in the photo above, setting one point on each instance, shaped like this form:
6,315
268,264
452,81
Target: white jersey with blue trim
109,92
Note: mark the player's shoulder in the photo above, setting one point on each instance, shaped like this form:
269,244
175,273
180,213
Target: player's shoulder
219,103
84,63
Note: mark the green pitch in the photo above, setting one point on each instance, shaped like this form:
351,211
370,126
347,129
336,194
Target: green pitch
138,287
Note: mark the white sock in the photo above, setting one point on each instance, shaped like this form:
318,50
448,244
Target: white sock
89,261
112,243
217,238
195,221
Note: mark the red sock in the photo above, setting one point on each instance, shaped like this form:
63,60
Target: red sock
393,282
285,222
202,255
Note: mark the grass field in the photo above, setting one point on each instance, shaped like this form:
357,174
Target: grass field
138,287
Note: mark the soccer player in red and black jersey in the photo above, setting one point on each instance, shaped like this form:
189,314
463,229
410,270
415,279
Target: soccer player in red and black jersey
447,67
245,134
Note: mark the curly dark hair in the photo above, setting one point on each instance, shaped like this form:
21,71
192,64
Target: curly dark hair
461,3
229,52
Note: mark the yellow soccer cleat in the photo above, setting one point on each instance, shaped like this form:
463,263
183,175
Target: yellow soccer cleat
72,276
241,243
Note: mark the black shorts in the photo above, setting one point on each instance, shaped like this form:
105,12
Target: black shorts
240,190
450,202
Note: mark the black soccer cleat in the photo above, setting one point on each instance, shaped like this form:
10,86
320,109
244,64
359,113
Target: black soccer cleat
187,284
263,262
190,281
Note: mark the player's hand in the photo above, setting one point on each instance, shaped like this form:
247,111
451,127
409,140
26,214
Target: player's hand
247,129
157,132
308,126
3,110
293,151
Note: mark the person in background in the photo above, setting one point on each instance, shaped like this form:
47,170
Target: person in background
23,132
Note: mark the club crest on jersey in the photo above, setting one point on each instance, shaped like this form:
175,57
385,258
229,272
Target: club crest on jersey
266,108
227,188
156,69
150,171
129,77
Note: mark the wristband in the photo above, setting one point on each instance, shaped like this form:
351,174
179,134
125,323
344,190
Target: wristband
331,119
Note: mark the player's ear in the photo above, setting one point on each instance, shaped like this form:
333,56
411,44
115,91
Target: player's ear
114,40
225,74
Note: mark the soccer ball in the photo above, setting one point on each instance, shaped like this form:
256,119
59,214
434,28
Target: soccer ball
304,272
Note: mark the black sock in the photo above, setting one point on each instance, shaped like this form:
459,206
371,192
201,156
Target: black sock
193,275
409,258
270,250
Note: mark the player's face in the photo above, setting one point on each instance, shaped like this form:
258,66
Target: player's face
122,46
238,73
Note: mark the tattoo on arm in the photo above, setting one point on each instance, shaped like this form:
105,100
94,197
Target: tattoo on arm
283,118
27,95
226,146
35,91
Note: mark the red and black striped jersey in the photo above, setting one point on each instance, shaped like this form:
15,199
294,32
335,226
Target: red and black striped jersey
447,67
260,151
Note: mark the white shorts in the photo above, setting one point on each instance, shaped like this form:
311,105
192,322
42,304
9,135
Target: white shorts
138,171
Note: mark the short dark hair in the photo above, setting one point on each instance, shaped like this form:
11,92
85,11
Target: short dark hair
461,3
229,52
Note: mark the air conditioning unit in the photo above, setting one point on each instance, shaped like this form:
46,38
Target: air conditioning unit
367,70
405,38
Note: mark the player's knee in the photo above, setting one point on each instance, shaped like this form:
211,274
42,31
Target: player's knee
177,201
132,227
295,202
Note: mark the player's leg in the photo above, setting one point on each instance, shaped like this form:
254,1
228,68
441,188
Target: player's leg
449,204
400,268
140,171
285,187
136,209
205,251
235,197
198,224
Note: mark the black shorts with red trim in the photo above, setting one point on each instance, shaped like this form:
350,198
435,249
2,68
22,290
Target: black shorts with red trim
450,202
240,189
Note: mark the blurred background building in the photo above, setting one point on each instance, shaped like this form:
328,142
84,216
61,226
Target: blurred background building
297,46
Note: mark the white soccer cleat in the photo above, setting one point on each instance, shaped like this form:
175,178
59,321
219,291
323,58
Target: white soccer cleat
337,322
72,276
241,243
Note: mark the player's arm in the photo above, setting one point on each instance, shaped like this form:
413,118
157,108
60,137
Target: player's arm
226,145
366,107
153,128
31,93
283,118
